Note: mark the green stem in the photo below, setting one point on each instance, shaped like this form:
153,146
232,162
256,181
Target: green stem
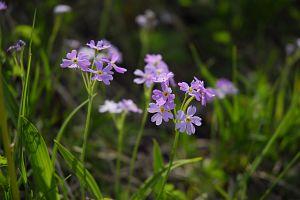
57,23
63,127
165,178
120,126
86,129
138,139
6,143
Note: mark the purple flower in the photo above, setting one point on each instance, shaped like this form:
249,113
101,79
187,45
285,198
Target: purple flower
186,88
186,122
102,74
201,93
16,47
164,77
3,5
128,105
146,77
161,97
111,62
162,112
225,87
99,46
110,106
76,61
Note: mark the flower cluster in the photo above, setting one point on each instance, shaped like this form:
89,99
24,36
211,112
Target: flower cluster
125,105
197,90
3,5
101,64
156,71
147,20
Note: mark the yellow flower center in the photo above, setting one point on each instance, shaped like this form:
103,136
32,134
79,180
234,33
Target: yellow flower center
75,60
190,89
166,94
162,109
188,119
99,72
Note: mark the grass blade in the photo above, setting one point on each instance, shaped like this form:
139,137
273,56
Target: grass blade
150,183
63,127
80,171
158,163
36,149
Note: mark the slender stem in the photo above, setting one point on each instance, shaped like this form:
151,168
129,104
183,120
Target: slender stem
6,143
63,127
138,139
86,129
165,178
57,23
120,126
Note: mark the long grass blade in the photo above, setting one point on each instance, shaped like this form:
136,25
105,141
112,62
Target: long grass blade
80,171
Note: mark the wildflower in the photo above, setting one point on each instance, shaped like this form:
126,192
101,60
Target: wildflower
187,121
225,87
110,106
102,74
164,77
111,62
61,8
3,5
128,105
76,61
201,93
162,112
99,46
146,77
186,88
148,20
161,97
16,47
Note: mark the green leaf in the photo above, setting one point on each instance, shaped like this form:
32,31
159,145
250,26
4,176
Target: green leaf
3,161
158,163
80,171
37,152
151,181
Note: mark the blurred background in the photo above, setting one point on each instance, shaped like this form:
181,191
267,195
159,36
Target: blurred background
189,34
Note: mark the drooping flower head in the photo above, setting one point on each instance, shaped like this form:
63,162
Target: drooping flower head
103,74
16,47
76,61
3,5
187,121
